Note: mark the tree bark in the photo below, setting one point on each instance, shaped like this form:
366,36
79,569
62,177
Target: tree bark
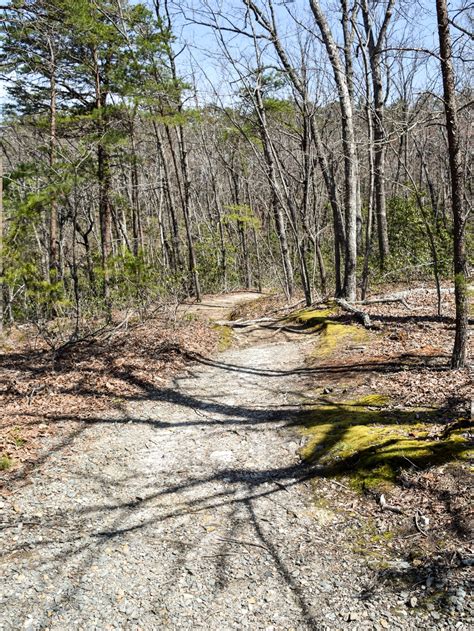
53,210
276,206
186,214
350,152
374,46
457,187
104,180
136,214
177,263
1,246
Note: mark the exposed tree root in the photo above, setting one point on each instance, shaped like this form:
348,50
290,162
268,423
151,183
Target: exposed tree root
360,315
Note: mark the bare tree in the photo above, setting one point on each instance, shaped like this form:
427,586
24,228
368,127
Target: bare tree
375,43
1,244
350,151
457,186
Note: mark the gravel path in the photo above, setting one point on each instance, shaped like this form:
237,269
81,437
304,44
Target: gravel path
188,510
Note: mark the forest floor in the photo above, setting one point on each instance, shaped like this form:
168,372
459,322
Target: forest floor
155,483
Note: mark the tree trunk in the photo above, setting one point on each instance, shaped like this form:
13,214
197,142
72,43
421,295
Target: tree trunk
370,187
1,246
457,187
104,180
187,217
136,218
321,266
276,206
177,263
103,175
350,153
328,177
374,47
53,210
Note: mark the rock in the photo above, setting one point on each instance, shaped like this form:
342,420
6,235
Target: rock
222,456
413,601
436,615
468,561
400,565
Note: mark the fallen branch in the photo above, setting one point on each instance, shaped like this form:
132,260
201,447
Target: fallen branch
360,315
236,324
401,296
386,300
416,517
271,325
463,423
384,505
343,486
104,333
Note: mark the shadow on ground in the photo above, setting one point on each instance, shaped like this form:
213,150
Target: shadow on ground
355,438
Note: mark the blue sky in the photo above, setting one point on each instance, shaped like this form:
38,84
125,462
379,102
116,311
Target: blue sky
203,61
413,20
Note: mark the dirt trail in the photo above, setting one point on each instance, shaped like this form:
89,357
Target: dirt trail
187,510
218,307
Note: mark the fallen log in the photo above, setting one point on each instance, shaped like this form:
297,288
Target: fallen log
386,300
401,296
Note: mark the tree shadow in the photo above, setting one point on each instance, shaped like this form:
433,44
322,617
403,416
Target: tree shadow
101,523
415,319
371,444
334,430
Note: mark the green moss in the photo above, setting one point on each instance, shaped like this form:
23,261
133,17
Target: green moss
364,540
225,337
5,463
333,334
312,317
330,333
372,400
460,282
369,444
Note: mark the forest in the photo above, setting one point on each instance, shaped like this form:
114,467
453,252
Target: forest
236,361
293,153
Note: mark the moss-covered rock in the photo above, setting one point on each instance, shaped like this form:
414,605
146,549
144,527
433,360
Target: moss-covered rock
331,333
312,317
367,443
334,334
